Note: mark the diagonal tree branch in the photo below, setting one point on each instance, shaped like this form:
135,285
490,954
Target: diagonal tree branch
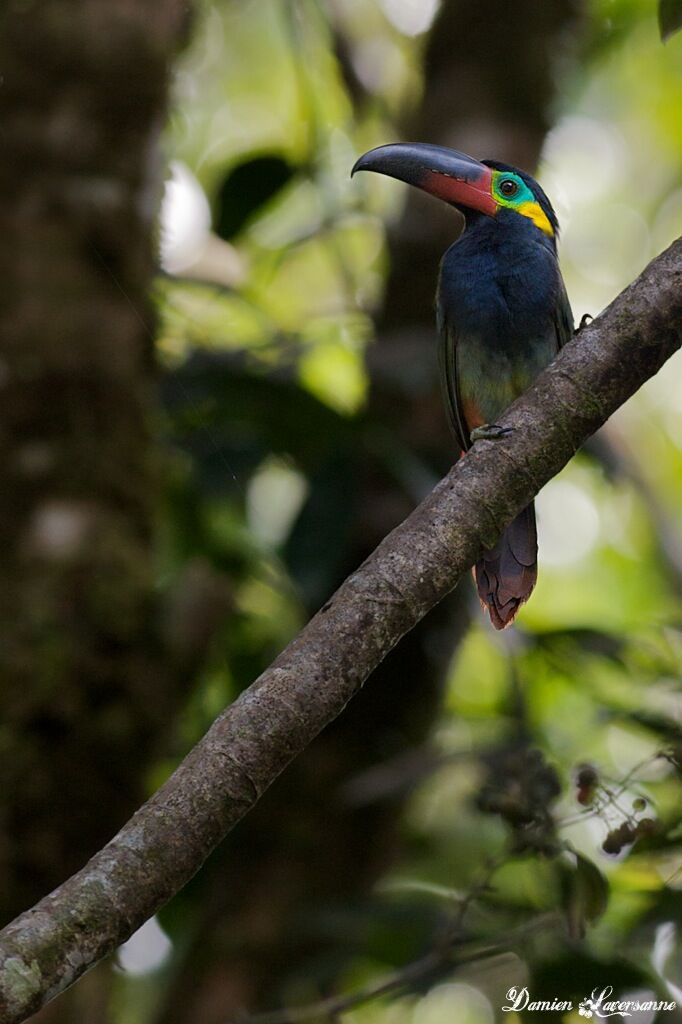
164,844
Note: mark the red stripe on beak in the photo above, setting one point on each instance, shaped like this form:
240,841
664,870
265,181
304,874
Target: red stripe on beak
454,177
474,193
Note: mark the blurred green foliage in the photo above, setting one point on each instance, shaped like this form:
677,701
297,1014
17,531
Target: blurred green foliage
265,323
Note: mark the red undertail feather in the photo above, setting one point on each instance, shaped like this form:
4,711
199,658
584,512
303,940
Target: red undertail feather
506,574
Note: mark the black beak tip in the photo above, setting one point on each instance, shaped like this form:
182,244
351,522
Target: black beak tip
400,160
379,159
358,165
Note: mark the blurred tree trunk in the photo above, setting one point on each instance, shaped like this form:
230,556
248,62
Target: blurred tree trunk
306,848
84,90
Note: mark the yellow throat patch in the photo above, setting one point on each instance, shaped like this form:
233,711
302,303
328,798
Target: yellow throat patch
537,215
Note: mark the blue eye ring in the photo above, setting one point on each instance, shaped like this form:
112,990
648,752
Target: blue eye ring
508,188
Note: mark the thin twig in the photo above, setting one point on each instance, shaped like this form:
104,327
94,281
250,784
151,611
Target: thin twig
593,812
416,970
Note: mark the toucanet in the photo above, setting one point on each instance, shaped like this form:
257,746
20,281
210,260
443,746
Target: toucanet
502,313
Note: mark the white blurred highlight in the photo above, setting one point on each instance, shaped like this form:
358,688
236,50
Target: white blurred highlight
568,523
583,159
274,498
610,244
185,220
668,223
642,995
60,529
411,17
665,946
455,1001
379,64
146,950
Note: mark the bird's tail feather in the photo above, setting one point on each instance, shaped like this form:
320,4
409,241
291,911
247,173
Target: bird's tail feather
506,574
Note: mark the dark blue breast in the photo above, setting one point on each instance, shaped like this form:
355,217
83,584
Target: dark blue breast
497,305
500,281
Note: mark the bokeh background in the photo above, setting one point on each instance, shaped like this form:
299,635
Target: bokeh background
469,791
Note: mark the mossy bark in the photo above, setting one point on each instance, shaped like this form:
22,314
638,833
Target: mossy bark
84,87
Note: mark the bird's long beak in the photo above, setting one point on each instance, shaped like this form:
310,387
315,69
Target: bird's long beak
454,177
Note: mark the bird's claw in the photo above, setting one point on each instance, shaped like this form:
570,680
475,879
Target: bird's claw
584,321
489,432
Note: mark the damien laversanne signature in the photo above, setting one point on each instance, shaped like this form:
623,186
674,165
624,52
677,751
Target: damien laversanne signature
599,1005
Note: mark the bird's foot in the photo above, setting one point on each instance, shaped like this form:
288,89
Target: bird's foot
489,432
584,321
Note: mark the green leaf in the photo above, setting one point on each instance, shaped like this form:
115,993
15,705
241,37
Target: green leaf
585,894
669,17
594,886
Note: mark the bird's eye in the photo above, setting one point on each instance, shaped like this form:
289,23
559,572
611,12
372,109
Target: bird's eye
508,187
